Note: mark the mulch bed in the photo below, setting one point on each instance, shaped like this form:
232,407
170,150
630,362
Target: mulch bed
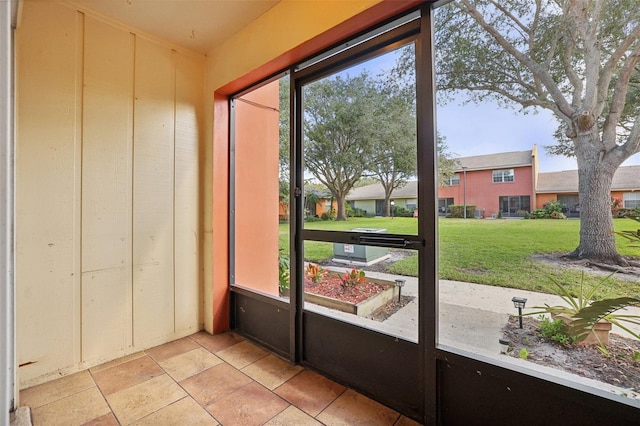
393,306
619,368
332,286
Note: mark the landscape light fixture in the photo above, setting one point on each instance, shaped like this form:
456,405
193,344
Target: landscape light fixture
400,284
393,203
504,345
519,303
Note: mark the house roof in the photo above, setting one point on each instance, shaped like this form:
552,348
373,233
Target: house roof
476,162
625,178
376,191
496,161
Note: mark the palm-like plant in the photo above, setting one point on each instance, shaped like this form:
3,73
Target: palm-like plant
585,311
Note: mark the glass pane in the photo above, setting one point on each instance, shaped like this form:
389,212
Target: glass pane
359,138
261,211
373,287
501,243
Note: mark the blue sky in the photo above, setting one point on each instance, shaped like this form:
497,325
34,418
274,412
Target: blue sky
486,129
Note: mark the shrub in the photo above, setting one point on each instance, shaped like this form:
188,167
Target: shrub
283,272
312,219
401,212
458,211
554,206
353,278
630,213
348,210
315,272
551,210
355,211
555,330
331,215
538,214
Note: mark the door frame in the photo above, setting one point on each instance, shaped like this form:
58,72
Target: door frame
283,327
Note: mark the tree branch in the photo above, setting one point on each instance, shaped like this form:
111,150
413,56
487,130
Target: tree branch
616,107
610,66
535,68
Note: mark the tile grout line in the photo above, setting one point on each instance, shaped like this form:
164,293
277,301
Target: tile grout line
105,398
331,402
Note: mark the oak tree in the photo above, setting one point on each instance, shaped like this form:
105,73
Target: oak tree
576,58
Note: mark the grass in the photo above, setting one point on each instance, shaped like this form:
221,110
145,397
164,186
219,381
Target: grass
494,252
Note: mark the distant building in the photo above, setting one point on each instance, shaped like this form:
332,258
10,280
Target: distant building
508,183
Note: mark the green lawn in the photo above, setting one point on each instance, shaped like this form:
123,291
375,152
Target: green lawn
495,252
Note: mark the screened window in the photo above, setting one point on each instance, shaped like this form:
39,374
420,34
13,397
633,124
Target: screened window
453,180
631,200
500,176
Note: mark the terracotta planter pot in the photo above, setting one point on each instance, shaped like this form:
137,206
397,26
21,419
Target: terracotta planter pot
598,336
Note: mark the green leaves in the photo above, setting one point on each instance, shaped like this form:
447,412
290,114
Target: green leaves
584,311
586,318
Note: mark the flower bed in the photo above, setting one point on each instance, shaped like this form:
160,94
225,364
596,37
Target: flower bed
361,299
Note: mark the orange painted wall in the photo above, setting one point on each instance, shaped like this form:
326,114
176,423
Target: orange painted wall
543,199
321,206
219,225
484,194
256,190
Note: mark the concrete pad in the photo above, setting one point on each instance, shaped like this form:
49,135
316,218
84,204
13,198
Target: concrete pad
21,417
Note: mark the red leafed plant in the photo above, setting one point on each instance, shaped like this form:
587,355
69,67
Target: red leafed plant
353,278
315,272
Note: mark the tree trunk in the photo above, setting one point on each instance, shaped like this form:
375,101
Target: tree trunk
387,206
341,214
595,174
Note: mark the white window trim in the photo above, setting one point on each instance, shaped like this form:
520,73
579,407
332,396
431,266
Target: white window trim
502,176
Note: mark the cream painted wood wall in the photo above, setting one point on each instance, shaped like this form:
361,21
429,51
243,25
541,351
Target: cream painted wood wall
108,186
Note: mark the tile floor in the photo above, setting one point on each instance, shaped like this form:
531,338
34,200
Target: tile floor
202,380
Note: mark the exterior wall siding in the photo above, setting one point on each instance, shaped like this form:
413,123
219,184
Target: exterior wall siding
109,143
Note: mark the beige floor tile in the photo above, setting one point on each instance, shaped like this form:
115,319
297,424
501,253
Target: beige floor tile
242,354
183,412
189,363
352,408
248,406
106,420
116,362
75,409
125,375
214,383
217,342
138,401
405,421
171,349
271,371
310,392
45,393
293,416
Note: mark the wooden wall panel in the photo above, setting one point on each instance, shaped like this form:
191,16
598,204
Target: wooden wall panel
188,291
107,191
49,48
153,193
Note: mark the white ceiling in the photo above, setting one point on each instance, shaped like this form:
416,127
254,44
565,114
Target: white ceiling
195,24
